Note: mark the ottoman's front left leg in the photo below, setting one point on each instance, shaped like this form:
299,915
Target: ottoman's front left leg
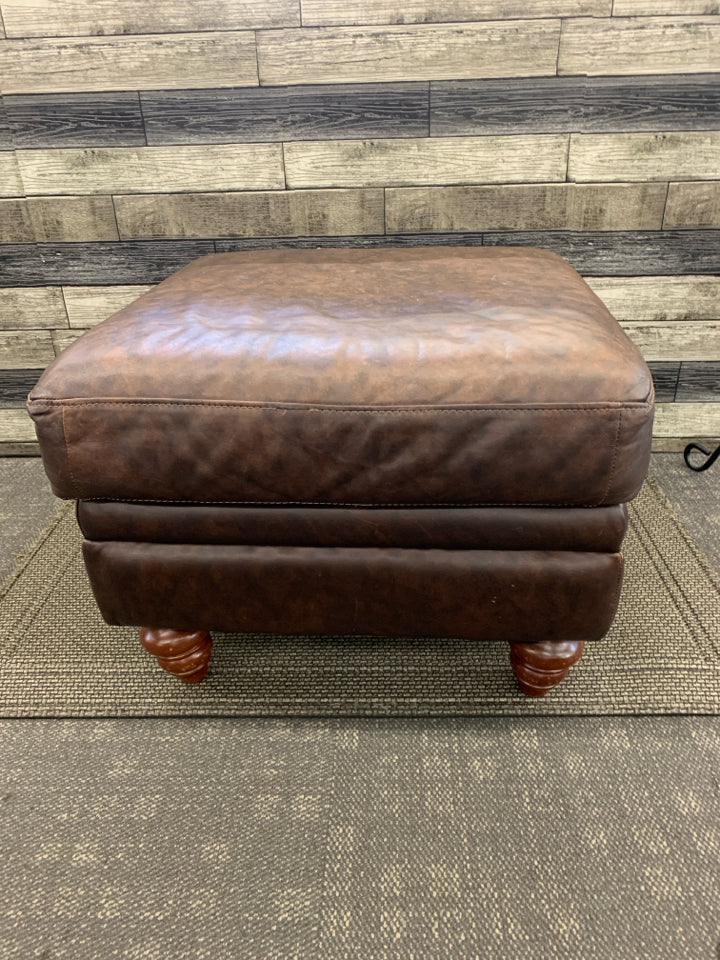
539,666
184,653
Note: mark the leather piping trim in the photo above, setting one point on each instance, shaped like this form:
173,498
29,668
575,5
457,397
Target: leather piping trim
331,408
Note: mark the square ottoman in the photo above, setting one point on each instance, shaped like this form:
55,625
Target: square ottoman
406,442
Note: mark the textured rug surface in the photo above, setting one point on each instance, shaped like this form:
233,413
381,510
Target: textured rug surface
58,658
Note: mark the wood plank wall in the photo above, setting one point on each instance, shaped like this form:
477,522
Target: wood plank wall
136,136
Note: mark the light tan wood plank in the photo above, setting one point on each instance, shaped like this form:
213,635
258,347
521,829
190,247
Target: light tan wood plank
339,12
648,8
31,308
65,18
25,348
676,339
523,48
10,182
525,207
237,166
15,427
88,306
2,26
678,444
690,420
128,63
72,219
61,339
20,449
287,213
364,163
687,155
660,298
640,45
693,205
15,224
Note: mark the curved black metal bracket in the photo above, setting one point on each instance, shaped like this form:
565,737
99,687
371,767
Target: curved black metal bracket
711,457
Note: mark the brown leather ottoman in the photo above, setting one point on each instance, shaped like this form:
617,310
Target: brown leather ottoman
387,442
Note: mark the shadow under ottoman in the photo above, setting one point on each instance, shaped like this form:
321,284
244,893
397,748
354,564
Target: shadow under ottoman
386,442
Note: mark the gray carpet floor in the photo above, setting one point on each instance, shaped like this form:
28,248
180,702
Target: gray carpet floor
367,839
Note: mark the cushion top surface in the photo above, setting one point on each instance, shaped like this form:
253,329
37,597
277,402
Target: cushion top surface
346,375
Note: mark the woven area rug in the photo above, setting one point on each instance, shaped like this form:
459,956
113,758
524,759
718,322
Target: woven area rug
58,658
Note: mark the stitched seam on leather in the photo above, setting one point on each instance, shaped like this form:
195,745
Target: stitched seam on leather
614,460
319,408
331,503
67,451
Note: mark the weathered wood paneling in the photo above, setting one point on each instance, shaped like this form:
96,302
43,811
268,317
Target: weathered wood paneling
15,224
69,219
665,376
693,205
676,339
683,155
660,298
241,166
25,348
75,119
31,308
687,420
128,63
559,104
595,253
348,54
339,12
639,45
534,207
2,26
294,212
15,385
634,8
15,427
50,18
698,381
87,306
442,160
625,253
10,182
63,338
269,114
97,263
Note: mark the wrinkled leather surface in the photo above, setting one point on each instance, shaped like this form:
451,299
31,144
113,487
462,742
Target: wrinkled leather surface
461,528
398,376
485,595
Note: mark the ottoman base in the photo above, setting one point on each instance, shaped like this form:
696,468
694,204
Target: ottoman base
544,603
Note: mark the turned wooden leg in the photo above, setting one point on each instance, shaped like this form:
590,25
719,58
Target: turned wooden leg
184,653
539,666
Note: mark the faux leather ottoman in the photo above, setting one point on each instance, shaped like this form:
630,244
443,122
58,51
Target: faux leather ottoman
388,442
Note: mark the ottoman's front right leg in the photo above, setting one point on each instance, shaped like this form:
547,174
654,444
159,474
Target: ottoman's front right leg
184,653
539,666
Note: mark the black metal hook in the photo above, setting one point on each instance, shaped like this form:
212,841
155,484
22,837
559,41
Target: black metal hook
711,457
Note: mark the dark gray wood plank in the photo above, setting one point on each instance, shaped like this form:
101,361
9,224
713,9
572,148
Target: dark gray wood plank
665,376
15,386
630,253
577,104
75,120
6,137
597,254
323,112
699,381
96,263
396,240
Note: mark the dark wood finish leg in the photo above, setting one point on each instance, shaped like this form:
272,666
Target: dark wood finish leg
539,666
184,653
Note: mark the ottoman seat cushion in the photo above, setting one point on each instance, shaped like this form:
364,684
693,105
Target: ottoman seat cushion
399,378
